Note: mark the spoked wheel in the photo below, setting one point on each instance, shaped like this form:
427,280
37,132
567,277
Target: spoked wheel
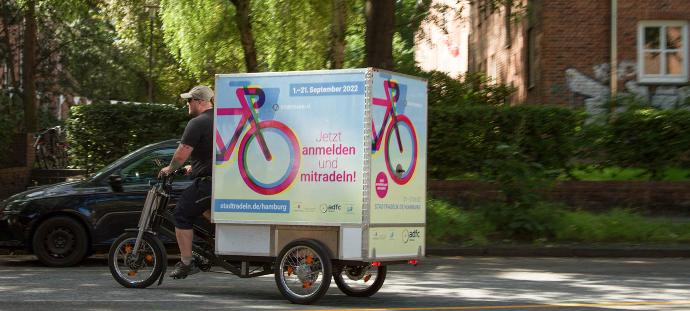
360,281
303,272
138,271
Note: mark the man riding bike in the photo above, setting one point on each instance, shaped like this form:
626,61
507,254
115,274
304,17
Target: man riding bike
197,145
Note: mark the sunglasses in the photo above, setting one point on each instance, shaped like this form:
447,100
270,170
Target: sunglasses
189,100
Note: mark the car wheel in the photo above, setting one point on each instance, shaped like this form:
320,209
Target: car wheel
60,242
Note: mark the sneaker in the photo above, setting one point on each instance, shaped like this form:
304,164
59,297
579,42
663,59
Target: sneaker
201,262
182,271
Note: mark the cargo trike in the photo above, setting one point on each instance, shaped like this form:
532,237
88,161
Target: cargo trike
329,180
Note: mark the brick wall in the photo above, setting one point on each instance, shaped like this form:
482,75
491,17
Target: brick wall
15,179
650,197
576,35
572,49
496,48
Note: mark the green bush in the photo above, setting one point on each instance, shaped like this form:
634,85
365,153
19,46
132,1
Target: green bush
650,139
472,88
523,223
618,225
499,223
447,223
462,138
102,132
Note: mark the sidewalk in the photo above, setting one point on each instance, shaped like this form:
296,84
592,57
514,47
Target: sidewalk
564,250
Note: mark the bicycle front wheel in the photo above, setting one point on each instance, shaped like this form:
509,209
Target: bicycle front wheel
138,271
269,175
401,150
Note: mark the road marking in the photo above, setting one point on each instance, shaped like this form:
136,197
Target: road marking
534,306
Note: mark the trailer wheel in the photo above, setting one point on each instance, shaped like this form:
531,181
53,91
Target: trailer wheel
303,271
360,281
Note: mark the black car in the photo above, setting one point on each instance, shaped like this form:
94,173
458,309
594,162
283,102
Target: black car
63,223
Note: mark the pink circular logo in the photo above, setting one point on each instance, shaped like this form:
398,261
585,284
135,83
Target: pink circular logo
381,185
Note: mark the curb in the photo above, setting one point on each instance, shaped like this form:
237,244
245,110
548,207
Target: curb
545,251
564,251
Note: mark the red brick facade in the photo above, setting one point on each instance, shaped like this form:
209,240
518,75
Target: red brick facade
571,43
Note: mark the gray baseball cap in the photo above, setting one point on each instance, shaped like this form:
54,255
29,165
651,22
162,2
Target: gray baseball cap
199,92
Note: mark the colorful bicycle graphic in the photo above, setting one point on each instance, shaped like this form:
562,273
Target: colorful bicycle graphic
251,99
403,171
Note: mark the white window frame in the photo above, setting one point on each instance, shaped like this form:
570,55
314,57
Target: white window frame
661,78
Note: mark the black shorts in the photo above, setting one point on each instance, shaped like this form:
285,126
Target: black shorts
193,202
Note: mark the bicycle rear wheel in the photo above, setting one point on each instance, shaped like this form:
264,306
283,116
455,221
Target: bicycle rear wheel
360,281
273,175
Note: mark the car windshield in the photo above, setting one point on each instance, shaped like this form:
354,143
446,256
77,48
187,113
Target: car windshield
118,162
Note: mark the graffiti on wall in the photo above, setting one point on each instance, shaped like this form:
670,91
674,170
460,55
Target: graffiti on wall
596,90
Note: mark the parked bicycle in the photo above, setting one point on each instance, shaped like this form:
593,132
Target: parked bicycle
50,148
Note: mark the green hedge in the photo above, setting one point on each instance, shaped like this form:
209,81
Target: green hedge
650,139
102,132
463,138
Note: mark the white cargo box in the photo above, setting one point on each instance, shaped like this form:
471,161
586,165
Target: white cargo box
338,156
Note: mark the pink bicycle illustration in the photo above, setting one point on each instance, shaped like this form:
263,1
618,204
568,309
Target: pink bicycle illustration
406,157
280,137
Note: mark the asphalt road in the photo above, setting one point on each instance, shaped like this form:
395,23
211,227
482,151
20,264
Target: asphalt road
438,283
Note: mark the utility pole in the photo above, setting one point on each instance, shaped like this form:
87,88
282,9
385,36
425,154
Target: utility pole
153,9
614,55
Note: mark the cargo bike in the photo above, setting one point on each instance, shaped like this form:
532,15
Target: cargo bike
328,181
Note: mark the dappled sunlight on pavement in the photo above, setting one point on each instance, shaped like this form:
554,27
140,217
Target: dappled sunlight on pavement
438,283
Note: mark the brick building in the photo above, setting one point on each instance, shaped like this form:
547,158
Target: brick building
444,48
560,51
55,100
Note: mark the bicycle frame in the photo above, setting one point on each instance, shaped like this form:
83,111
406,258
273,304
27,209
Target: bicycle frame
249,115
392,95
157,218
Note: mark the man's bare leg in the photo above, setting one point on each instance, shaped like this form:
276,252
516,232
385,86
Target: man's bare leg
184,241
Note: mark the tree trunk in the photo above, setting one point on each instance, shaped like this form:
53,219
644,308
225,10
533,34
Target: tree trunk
380,23
336,53
8,49
243,21
28,74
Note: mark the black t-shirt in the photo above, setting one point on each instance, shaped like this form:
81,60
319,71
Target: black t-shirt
199,135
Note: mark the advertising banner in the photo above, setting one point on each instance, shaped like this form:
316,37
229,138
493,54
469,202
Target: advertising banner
398,159
289,147
396,242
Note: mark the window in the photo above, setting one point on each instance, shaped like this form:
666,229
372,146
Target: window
662,52
146,168
531,58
